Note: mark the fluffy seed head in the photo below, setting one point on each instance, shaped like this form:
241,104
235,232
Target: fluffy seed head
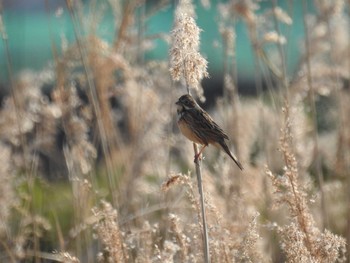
185,60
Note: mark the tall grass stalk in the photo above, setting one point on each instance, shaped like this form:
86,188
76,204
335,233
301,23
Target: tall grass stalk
346,150
312,103
202,202
341,108
187,63
15,96
23,142
94,101
284,79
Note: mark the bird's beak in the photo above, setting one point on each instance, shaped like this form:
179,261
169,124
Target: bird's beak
177,103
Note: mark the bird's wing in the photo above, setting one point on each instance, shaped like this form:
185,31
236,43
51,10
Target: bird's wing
213,128
205,127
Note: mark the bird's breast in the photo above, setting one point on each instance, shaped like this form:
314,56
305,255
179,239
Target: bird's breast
187,131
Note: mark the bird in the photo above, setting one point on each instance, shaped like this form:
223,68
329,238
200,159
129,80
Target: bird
197,126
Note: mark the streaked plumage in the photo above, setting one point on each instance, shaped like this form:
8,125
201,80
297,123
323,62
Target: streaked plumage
199,127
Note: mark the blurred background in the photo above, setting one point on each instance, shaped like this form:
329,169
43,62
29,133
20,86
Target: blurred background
33,27
94,169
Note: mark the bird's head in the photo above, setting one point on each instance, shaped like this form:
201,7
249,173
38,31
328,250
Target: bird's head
186,102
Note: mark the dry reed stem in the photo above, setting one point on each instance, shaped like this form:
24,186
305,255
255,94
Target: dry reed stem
94,101
312,102
301,240
206,247
187,63
127,13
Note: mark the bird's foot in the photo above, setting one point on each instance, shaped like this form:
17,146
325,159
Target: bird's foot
198,157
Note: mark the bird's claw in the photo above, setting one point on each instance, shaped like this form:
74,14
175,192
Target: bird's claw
198,157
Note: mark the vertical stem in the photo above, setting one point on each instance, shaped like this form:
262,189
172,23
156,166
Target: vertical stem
204,221
346,150
281,52
94,102
201,199
23,142
343,129
314,115
15,97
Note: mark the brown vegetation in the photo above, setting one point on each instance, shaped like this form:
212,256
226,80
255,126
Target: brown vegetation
95,170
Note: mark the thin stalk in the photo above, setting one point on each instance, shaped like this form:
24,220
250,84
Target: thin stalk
300,214
94,102
15,96
141,14
24,149
230,94
201,194
261,60
343,128
346,155
226,66
314,116
126,20
262,76
199,180
282,55
201,199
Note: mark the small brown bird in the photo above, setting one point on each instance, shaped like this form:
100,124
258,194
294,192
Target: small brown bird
199,127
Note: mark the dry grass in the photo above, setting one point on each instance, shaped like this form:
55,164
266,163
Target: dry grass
93,168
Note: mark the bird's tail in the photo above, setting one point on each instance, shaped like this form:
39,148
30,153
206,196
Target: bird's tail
234,158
